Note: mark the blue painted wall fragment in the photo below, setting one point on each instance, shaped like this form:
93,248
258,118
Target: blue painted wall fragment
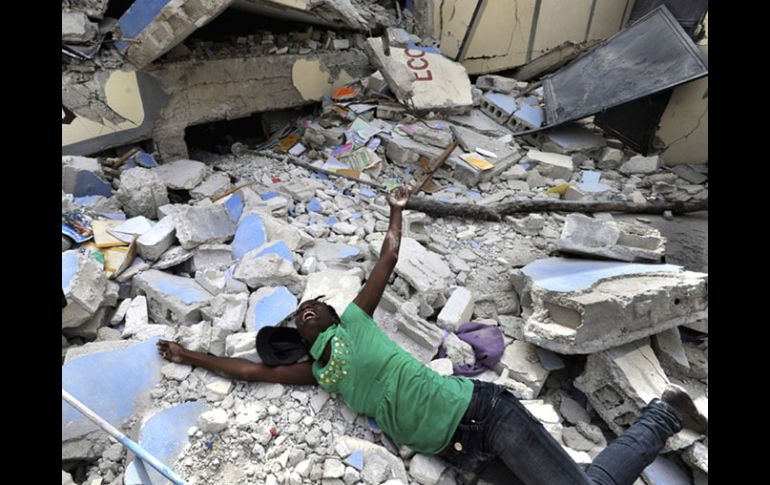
110,383
503,101
269,195
590,182
69,266
532,115
356,460
88,183
270,310
565,274
314,205
234,207
137,18
145,160
332,220
187,290
164,436
249,235
278,247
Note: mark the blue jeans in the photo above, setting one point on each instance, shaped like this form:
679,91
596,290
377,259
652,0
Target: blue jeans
497,426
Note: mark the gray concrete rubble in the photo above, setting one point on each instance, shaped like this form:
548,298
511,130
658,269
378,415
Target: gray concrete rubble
614,311
587,236
220,107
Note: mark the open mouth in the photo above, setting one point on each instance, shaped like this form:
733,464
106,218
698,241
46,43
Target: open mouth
308,314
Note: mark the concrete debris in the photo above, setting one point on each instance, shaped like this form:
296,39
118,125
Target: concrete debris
233,236
619,382
612,240
582,307
142,192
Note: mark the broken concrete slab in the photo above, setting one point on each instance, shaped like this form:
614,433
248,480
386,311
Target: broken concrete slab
572,138
227,311
214,185
425,81
669,349
523,364
621,381
84,283
269,306
115,384
293,237
149,29
333,253
82,180
203,225
580,307
613,240
164,435
153,243
172,300
76,28
457,310
423,269
268,270
340,286
498,84
249,235
141,192
551,165
639,165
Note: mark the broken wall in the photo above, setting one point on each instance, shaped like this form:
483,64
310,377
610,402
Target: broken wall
493,35
683,128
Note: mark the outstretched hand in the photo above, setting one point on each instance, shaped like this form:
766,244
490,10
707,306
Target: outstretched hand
171,351
398,197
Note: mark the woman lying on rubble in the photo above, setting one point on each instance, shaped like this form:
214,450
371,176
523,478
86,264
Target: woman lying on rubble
466,422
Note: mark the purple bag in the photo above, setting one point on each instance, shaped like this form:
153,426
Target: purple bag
487,342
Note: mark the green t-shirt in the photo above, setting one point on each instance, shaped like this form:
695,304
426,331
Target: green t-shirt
412,403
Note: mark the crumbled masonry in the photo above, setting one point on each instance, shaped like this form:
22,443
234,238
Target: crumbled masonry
263,160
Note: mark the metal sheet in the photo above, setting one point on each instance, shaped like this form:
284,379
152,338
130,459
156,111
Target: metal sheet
649,56
635,122
689,13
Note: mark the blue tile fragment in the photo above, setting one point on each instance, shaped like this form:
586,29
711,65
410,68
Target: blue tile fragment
144,159
164,436
332,220
565,274
249,235
269,195
314,205
272,309
277,247
590,182
88,183
110,383
367,192
356,460
234,207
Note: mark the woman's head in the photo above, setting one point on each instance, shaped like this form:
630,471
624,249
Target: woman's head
313,317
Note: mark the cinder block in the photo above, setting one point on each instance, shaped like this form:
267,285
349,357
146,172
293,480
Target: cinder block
458,310
172,300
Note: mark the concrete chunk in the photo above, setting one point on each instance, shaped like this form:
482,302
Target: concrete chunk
136,316
203,225
215,184
269,306
153,243
249,235
458,310
423,269
639,165
332,253
212,256
141,192
521,361
424,80
172,300
426,470
182,174
619,382
580,307
379,464
213,421
609,239
84,284
551,165
668,347
498,84
76,28
268,270
342,288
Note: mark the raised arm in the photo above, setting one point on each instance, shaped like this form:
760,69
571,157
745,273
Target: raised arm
371,293
236,368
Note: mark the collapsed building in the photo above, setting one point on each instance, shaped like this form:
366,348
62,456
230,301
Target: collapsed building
225,160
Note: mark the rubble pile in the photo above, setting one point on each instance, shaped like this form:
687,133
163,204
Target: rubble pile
209,248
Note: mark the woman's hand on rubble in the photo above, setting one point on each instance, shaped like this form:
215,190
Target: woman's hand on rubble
171,351
398,197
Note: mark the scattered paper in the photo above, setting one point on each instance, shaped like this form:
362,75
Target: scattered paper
477,161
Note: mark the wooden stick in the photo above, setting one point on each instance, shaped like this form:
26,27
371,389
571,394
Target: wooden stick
296,161
439,162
